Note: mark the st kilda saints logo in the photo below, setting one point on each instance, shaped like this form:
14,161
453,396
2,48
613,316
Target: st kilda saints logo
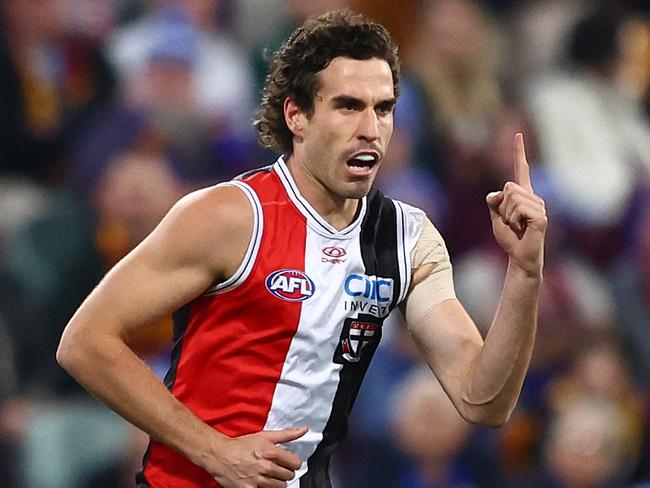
360,337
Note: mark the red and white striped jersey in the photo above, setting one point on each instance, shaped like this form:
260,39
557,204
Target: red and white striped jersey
286,341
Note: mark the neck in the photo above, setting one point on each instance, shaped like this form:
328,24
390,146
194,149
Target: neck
337,211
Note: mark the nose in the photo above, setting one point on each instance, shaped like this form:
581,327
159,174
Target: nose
368,126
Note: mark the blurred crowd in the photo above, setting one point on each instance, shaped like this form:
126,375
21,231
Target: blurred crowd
110,110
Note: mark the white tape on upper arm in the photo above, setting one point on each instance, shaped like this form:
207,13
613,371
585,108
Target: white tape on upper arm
437,285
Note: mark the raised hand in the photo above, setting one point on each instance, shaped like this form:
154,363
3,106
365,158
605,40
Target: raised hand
519,216
256,460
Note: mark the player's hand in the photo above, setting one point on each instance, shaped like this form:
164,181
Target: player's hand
256,460
519,216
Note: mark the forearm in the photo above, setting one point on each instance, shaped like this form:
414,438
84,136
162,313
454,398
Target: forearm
109,370
498,372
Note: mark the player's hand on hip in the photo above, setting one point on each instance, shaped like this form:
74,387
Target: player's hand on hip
256,460
519,216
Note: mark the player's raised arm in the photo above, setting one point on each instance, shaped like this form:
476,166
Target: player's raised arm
201,241
484,378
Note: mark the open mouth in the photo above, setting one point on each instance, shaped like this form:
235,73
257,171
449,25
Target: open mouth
362,163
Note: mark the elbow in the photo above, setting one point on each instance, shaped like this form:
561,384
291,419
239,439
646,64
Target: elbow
487,415
71,352
65,356
495,421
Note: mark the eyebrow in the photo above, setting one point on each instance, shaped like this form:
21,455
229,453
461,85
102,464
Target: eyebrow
343,100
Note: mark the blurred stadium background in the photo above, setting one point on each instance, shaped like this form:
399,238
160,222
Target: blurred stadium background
112,109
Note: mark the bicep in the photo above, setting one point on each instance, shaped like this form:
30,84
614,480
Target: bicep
177,262
450,343
144,287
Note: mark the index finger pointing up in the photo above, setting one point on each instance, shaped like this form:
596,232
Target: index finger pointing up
522,170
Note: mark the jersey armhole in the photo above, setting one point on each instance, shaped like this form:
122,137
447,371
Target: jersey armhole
403,251
250,257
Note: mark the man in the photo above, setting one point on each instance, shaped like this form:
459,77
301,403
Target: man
282,280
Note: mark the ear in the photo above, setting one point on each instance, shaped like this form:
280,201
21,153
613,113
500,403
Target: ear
294,117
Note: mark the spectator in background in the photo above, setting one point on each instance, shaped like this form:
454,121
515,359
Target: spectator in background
456,60
222,85
596,425
540,31
52,76
600,371
593,140
630,281
630,278
635,71
586,448
434,447
159,109
133,194
55,260
155,112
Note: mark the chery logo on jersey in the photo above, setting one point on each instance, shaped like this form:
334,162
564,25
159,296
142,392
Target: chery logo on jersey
333,254
290,284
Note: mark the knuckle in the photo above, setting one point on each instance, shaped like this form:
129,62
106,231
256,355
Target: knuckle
515,200
269,466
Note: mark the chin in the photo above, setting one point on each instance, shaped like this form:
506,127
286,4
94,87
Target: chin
357,190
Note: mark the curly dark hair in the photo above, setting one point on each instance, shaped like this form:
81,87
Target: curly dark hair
294,67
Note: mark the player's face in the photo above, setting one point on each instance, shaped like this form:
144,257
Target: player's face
347,134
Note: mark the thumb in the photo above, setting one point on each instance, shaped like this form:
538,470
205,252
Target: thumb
493,201
285,435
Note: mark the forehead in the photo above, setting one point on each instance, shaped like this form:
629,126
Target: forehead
367,78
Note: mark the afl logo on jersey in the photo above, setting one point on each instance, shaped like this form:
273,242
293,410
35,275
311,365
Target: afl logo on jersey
291,285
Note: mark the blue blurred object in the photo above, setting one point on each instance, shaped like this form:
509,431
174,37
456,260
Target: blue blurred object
175,39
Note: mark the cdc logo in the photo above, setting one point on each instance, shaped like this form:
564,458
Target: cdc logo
369,287
291,285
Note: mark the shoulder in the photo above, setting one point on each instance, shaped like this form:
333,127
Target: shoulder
216,211
410,221
211,226
221,204
376,199
424,241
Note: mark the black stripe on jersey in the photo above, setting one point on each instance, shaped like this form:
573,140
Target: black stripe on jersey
379,251
181,319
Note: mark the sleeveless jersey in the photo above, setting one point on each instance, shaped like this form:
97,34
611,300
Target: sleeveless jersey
286,341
